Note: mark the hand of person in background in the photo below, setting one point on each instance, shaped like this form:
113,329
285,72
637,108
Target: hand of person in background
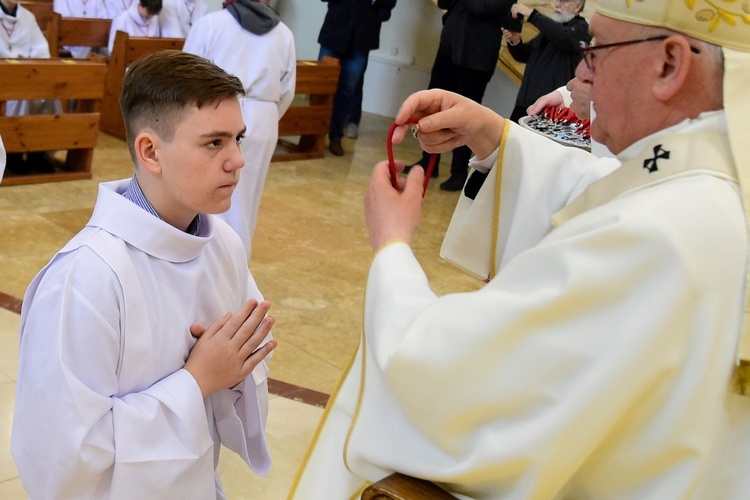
513,37
553,99
519,9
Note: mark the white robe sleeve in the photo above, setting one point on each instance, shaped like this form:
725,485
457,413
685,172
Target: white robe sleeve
289,79
241,412
73,434
533,188
573,351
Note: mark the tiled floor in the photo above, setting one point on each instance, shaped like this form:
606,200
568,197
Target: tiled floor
310,258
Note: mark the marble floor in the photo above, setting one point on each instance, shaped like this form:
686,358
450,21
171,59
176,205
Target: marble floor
310,258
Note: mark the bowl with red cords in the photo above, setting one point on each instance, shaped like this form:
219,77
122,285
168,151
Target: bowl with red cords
561,125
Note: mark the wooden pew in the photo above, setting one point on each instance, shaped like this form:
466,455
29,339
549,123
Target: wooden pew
124,52
311,118
76,32
42,12
75,132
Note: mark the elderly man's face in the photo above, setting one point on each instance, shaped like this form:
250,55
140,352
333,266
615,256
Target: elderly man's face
565,10
619,83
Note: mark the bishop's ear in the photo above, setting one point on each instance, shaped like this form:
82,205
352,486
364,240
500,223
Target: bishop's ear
674,61
146,147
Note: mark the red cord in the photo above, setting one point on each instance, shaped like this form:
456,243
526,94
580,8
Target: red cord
392,163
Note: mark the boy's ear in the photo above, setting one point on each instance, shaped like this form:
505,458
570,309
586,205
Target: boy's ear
147,151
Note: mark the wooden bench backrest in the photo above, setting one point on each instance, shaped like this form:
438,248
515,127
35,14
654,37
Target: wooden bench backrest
74,132
124,52
42,12
77,32
318,80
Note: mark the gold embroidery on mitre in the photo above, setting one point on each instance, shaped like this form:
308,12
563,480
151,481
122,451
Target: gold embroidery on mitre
721,22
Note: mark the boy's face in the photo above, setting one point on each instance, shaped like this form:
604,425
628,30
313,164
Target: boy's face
200,166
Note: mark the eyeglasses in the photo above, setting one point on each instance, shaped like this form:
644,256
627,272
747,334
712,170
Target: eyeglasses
587,49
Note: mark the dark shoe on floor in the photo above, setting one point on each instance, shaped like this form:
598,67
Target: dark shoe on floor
39,162
15,163
453,184
435,171
335,147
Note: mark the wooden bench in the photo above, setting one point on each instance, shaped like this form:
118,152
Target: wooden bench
75,132
42,11
310,117
124,52
76,32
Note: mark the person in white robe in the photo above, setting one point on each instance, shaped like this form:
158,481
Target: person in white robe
606,357
95,9
21,37
178,16
144,341
248,39
2,158
140,20
115,7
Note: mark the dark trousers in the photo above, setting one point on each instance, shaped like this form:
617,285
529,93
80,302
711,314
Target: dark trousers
466,82
353,66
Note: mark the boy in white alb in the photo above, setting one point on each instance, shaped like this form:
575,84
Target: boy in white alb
141,20
247,39
21,37
108,329
178,16
93,9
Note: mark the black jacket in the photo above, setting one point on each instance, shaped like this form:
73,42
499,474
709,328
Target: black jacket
354,25
471,31
551,57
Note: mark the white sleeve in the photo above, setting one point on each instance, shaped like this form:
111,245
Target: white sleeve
289,79
74,435
241,412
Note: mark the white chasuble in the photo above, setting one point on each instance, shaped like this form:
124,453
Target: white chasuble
595,364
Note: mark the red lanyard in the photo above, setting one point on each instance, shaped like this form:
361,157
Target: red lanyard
392,163
10,31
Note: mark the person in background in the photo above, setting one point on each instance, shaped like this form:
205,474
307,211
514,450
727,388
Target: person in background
465,62
351,29
22,38
351,128
141,19
146,336
247,39
551,57
96,9
178,16
608,354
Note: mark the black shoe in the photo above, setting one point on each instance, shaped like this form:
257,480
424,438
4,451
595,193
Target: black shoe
453,183
435,171
39,162
335,147
15,163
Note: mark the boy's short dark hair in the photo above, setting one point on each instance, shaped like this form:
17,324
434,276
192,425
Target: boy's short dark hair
152,6
158,87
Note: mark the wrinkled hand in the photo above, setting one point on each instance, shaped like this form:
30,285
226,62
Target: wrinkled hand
519,9
580,92
393,214
447,121
553,99
225,352
512,36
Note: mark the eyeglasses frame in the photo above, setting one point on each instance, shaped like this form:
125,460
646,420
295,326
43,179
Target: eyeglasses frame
586,49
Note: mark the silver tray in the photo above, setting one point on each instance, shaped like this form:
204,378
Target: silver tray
565,132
